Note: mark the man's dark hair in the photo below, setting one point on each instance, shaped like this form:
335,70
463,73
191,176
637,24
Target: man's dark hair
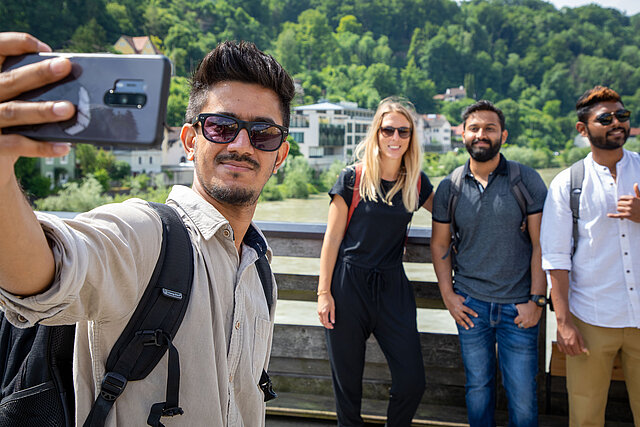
594,96
482,105
241,62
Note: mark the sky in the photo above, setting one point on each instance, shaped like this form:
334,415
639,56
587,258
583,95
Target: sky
631,7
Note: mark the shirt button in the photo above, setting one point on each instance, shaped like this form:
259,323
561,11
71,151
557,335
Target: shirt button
237,325
21,319
623,235
226,233
628,271
626,253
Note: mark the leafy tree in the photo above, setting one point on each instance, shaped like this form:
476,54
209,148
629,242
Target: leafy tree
75,197
178,100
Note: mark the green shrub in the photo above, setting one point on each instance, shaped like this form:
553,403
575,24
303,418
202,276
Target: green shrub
75,197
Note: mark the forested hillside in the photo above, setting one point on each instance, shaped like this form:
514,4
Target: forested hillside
531,58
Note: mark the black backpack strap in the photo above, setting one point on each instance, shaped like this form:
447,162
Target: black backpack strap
577,176
455,189
520,192
153,325
264,272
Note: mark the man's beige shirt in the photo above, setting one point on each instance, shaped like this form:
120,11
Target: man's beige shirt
104,260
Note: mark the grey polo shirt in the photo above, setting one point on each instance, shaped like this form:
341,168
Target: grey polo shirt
494,256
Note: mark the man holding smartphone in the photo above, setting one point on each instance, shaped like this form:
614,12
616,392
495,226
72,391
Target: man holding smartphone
92,270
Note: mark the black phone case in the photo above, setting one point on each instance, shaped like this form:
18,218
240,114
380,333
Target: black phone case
92,79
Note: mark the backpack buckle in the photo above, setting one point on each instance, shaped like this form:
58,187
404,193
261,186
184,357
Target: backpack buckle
112,386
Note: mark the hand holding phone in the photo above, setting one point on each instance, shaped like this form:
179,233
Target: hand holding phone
119,99
13,113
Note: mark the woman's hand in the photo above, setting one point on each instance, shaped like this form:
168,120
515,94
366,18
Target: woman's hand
326,310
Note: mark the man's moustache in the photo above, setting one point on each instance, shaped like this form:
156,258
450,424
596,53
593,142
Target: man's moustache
224,157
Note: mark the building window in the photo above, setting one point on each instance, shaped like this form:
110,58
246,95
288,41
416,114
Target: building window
316,152
48,161
349,127
64,160
350,140
298,137
139,160
150,160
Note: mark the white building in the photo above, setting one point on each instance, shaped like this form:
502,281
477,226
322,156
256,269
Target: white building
436,132
327,132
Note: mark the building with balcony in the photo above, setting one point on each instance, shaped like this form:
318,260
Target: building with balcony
436,133
327,131
59,170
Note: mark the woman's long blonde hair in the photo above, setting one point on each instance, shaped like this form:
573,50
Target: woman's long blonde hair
368,152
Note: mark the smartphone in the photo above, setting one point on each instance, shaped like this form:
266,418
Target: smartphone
120,99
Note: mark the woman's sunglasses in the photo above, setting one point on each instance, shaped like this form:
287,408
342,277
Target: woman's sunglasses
223,129
605,119
388,131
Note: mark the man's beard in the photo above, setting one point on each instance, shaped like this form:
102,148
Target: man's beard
226,194
604,143
483,154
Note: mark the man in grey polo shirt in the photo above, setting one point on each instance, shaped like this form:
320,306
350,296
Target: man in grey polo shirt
498,291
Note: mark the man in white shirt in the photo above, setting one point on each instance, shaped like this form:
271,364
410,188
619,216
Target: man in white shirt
597,305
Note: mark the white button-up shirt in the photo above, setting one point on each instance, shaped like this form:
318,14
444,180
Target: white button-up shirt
605,270
104,259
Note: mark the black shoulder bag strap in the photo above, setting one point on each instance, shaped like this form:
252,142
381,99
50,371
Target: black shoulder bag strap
577,176
264,272
152,327
520,192
454,195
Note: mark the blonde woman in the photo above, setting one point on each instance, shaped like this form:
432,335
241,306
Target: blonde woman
363,288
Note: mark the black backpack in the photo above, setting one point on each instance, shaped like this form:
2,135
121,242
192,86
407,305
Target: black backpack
518,189
36,363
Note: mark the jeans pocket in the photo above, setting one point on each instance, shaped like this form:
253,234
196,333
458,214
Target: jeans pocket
467,298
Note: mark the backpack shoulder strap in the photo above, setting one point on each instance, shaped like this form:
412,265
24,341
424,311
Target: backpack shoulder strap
577,176
519,190
454,195
153,325
264,272
355,197
455,189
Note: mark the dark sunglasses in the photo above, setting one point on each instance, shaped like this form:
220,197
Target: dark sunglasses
403,132
605,119
223,129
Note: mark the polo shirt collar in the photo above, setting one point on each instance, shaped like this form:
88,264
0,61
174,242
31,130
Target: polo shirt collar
502,168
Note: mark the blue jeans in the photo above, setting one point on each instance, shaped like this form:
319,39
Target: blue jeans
518,358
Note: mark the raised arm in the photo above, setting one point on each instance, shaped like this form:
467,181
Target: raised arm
26,261
336,224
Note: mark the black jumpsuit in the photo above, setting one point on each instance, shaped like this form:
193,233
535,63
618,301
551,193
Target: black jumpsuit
373,295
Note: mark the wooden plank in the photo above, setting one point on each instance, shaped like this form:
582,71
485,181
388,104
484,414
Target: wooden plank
308,342
302,287
305,240
557,366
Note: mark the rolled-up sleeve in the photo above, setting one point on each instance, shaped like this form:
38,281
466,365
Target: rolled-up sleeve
103,261
557,225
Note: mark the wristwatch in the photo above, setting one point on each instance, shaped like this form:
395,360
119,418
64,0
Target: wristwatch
540,300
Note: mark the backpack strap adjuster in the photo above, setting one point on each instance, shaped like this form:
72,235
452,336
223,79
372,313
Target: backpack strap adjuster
112,386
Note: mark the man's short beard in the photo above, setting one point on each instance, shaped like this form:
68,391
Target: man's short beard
602,142
225,194
230,196
482,154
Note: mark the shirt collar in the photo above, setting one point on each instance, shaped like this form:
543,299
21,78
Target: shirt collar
502,168
208,220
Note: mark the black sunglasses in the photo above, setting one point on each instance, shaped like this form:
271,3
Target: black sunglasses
605,119
223,129
403,132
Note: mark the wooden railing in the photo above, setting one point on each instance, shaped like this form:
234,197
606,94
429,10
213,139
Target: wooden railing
300,367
